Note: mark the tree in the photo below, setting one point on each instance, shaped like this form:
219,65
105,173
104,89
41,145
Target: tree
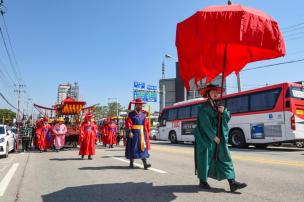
108,110
7,116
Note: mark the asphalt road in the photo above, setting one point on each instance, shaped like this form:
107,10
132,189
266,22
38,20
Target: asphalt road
275,174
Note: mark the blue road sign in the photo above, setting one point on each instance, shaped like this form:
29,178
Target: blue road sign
139,85
145,95
151,87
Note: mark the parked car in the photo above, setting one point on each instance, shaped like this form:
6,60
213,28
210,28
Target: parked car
154,134
7,141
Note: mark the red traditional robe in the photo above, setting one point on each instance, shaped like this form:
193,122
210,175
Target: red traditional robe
104,132
43,142
88,138
110,130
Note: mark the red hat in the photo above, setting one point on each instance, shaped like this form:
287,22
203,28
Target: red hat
88,116
45,118
136,101
210,87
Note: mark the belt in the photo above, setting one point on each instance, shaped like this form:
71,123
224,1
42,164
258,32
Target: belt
142,138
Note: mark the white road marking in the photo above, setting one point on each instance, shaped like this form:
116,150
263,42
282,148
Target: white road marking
7,178
141,166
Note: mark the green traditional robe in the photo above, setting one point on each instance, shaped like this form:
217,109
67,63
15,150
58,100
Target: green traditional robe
205,146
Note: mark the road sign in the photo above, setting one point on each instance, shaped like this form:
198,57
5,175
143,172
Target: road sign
150,87
139,85
145,95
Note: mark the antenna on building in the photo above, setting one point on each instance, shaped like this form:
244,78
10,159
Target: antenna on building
163,69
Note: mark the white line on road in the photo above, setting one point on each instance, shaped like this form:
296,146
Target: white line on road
7,178
141,166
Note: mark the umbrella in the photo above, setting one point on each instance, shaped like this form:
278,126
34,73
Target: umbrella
223,39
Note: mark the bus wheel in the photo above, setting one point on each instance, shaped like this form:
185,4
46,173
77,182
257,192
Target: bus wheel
173,137
299,144
277,144
237,139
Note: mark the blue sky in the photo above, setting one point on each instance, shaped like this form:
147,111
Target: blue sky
105,45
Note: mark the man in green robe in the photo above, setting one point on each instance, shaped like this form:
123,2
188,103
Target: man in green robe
210,161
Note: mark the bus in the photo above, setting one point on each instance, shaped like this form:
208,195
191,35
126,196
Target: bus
262,116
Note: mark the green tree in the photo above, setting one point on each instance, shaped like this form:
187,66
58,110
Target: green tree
7,116
108,110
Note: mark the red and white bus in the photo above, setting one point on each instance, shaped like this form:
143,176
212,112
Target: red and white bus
271,114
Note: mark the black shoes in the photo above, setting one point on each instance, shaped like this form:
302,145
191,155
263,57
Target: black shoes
90,158
204,185
234,185
131,164
82,156
146,165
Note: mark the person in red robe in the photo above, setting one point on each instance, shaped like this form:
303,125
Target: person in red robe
112,133
45,135
39,124
87,137
109,137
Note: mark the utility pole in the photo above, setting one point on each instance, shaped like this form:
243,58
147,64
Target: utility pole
18,91
239,82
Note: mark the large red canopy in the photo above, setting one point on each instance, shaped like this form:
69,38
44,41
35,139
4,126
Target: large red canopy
247,34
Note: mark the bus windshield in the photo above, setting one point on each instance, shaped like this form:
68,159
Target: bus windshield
2,130
296,92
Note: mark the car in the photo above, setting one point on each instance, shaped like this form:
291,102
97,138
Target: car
154,134
7,141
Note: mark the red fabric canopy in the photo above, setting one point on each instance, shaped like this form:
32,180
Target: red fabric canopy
248,34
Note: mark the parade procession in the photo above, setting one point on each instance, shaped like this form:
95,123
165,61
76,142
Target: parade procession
157,101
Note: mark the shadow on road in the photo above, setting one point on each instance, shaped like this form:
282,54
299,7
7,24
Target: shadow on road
123,192
249,149
66,159
108,168
106,157
115,149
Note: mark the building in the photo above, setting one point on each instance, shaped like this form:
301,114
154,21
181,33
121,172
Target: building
67,90
172,90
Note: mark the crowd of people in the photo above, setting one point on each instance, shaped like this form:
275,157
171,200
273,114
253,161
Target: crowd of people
51,134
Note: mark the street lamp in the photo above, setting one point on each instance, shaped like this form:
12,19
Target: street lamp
116,99
168,56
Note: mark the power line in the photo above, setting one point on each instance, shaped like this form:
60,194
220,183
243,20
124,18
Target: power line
294,29
293,26
294,38
6,72
4,98
9,56
275,64
11,46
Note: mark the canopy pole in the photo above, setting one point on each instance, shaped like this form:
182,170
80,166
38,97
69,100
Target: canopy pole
219,123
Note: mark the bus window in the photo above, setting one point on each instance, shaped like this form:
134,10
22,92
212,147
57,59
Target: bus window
194,111
163,118
295,92
237,104
184,112
264,100
172,114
